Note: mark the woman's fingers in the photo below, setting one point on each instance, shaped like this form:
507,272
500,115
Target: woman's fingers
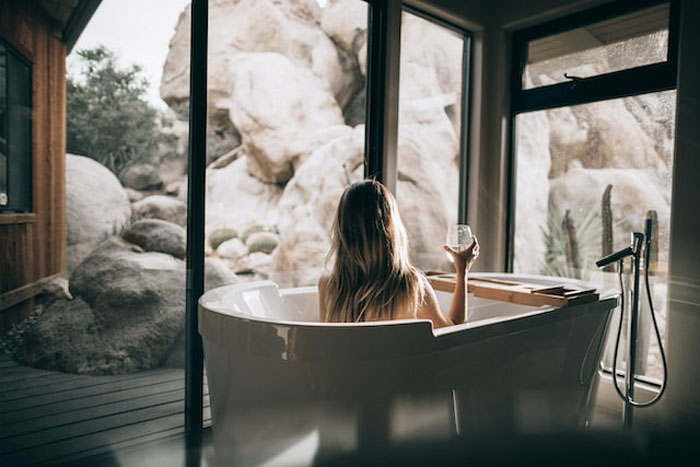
469,253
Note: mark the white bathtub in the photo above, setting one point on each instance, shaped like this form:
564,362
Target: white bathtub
276,374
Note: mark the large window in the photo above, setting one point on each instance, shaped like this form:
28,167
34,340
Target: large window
431,156
15,131
286,133
594,118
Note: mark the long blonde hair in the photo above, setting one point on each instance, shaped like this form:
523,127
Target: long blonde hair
372,277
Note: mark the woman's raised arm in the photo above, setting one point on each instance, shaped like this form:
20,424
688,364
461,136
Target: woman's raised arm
458,308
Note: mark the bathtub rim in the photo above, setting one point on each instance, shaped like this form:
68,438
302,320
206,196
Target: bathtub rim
490,326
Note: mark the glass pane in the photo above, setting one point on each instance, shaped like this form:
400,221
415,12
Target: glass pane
115,323
430,117
632,40
19,134
285,131
587,176
3,135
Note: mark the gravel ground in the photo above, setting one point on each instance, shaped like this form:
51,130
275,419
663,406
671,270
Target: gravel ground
10,342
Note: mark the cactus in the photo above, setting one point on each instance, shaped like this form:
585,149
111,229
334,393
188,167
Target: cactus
572,250
654,245
607,219
264,242
220,235
251,229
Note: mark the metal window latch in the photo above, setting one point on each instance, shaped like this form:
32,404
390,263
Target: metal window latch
3,199
574,80
572,77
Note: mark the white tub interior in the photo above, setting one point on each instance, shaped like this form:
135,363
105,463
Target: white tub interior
263,300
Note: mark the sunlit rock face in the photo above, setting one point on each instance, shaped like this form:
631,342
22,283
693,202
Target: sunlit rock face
96,206
286,79
290,28
345,22
290,78
437,73
601,135
427,188
626,143
532,190
237,198
428,144
634,192
309,203
276,105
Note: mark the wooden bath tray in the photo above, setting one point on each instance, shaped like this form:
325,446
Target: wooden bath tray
522,293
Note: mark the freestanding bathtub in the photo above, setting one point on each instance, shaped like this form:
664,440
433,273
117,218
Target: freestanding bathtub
277,375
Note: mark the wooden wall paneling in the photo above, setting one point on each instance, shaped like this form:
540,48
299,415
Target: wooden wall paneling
32,251
15,252
40,136
56,209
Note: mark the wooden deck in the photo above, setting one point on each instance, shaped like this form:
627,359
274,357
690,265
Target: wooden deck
49,418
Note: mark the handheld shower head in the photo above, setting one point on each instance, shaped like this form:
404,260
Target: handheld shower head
617,256
632,250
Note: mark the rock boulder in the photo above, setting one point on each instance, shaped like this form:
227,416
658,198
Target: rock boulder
161,207
141,177
158,235
290,28
428,188
634,192
272,113
309,203
96,207
128,313
532,191
237,198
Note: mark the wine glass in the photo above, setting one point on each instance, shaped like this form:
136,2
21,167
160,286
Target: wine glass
459,237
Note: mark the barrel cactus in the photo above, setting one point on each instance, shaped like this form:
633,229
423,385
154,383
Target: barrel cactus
251,229
220,235
264,242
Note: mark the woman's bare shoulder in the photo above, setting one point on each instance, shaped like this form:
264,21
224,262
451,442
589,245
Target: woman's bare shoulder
323,280
430,309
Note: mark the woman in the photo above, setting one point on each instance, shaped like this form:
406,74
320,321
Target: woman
372,278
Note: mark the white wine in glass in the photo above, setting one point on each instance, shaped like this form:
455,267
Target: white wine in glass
459,237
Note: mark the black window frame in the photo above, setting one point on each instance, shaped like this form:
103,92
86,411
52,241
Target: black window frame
375,88
633,81
26,168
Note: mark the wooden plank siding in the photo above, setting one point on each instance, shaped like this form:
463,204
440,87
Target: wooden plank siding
33,247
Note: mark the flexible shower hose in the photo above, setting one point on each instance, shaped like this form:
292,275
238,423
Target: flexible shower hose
624,397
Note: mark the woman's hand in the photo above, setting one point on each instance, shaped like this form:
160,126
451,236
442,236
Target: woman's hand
463,260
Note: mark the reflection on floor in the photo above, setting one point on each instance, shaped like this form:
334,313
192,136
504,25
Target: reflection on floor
174,452
50,417
53,418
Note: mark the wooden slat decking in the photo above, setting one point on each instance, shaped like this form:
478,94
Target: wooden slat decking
48,418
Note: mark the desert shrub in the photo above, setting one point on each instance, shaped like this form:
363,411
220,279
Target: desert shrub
107,115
